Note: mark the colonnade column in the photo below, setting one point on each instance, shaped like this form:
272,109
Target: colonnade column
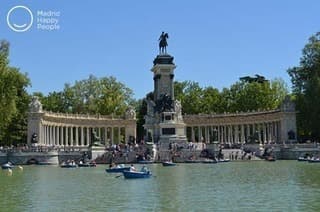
112,137
105,135
53,135
82,138
242,139
88,136
77,135
264,131
236,134
119,134
67,136
192,134
71,135
205,134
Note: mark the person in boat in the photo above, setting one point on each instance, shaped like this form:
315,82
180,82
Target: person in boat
120,166
132,168
144,169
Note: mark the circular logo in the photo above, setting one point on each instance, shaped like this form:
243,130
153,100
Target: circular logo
19,18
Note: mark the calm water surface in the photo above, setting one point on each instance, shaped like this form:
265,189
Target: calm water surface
234,186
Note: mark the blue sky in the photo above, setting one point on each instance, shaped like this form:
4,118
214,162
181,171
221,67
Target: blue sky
213,42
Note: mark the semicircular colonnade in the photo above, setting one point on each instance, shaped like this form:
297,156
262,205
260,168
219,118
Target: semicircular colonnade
58,129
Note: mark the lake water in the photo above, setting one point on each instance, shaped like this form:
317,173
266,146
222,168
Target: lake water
234,186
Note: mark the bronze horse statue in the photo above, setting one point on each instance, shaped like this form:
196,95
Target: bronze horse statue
163,43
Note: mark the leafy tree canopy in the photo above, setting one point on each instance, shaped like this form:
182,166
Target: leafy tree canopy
13,100
305,79
93,96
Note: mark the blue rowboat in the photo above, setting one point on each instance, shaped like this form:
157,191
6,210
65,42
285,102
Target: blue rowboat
117,169
135,174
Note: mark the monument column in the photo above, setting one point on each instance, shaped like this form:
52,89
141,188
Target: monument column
164,120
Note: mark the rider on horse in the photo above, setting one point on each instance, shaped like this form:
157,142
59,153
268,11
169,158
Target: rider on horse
163,43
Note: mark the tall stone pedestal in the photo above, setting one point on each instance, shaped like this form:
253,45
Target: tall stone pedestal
163,122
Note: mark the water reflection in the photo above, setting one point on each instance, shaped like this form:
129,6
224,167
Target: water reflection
242,186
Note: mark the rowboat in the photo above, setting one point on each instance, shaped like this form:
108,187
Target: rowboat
89,164
136,174
314,160
117,169
68,165
7,166
209,161
303,159
168,163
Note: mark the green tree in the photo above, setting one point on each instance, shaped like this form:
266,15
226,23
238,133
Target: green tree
211,101
13,100
190,94
141,108
93,96
305,79
255,95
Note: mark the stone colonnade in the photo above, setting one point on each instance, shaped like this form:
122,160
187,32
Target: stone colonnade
60,135
56,129
235,133
263,126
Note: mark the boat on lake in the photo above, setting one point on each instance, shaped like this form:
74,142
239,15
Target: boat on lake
209,161
303,159
136,174
87,164
314,160
168,163
192,161
118,169
223,160
7,166
45,163
68,165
